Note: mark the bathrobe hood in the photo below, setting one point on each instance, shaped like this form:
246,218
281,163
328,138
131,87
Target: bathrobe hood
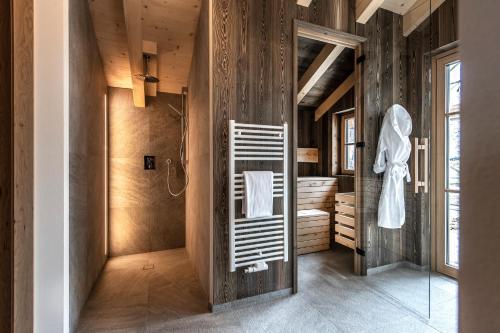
400,120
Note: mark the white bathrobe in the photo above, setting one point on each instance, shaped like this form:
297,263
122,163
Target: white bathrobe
394,149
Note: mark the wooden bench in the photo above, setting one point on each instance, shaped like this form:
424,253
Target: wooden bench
313,231
345,219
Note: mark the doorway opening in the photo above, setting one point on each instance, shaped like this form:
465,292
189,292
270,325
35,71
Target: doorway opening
327,81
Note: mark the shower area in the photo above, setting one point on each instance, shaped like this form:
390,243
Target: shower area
143,254
404,263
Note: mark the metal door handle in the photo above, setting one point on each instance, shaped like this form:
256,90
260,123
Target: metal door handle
421,145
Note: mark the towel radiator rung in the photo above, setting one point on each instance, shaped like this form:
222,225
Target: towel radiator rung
258,250
241,125
248,236
259,256
259,218
256,246
257,261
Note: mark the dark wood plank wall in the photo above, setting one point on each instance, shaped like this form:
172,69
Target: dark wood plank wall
5,168
23,133
252,78
384,85
397,70
87,90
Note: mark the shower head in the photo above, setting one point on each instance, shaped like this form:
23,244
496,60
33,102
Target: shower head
148,78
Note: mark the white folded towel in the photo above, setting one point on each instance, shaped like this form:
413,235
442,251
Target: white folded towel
258,201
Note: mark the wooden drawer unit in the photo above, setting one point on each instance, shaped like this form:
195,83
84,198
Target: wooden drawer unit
345,219
313,231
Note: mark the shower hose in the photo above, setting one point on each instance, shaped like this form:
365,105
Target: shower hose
184,129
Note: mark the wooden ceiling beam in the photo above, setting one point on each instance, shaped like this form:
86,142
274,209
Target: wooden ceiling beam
319,66
304,3
366,8
418,13
133,21
334,97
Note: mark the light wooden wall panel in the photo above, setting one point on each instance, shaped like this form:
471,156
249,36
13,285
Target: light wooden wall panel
253,59
6,253
143,217
23,133
198,192
87,90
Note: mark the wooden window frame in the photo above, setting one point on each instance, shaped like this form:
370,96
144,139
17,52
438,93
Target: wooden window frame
438,153
343,143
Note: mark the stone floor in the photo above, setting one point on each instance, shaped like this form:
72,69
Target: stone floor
158,292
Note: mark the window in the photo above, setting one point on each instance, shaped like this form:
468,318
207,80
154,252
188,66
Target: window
348,144
446,128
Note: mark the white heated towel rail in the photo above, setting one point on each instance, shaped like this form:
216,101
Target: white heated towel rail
255,241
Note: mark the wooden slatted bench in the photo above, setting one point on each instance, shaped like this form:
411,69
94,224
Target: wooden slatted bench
345,219
313,231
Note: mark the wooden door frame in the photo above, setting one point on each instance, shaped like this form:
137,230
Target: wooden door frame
437,176
330,36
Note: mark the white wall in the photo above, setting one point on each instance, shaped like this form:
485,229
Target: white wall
51,304
479,277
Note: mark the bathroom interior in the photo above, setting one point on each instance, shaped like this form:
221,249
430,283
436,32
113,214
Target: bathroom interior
164,95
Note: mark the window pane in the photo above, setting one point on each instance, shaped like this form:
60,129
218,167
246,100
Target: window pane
350,132
454,86
453,152
349,157
452,228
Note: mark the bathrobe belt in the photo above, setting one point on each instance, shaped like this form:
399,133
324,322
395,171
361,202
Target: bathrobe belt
399,170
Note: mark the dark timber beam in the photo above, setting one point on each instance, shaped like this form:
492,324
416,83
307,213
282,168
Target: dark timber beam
334,97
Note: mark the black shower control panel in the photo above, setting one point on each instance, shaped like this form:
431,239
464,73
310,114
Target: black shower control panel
149,162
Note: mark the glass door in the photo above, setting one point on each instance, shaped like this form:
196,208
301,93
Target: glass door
447,130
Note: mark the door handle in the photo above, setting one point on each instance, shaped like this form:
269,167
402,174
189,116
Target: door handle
421,145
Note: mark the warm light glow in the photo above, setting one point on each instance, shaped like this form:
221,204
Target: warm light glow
106,190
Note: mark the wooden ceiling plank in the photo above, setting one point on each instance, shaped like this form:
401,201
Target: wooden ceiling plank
319,66
334,97
132,10
304,3
366,8
418,13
